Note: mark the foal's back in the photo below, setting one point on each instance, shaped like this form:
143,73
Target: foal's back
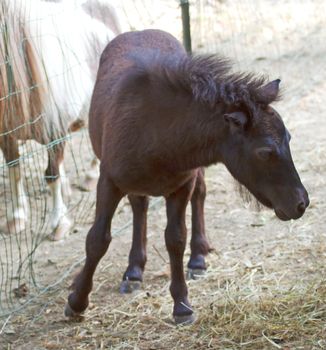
118,60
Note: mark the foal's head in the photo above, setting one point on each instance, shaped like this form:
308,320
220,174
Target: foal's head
259,157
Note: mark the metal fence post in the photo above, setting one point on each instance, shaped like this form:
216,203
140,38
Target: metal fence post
186,24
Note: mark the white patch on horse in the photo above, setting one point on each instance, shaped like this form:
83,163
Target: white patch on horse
65,183
18,211
59,221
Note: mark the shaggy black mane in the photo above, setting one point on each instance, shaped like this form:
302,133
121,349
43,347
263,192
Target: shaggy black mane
207,77
212,81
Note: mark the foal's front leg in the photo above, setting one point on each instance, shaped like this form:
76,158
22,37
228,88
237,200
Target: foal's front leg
97,243
199,244
175,239
133,276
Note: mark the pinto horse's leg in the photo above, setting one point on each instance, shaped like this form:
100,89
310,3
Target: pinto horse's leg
133,276
199,244
18,210
91,176
97,243
175,239
59,222
65,183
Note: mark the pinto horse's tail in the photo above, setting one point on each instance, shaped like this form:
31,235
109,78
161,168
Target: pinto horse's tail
14,97
49,53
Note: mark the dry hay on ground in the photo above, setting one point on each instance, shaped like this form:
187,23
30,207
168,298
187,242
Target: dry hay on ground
241,307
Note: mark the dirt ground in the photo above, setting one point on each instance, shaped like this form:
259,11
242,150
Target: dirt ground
265,286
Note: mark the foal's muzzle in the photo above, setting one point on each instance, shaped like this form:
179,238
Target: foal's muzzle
296,210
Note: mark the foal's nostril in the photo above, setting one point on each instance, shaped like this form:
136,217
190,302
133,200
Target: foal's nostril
301,208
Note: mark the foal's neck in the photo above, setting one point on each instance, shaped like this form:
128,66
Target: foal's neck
201,134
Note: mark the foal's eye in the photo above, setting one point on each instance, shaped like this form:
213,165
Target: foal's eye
264,153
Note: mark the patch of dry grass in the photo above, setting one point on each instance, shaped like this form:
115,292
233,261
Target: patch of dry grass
232,318
241,313
240,319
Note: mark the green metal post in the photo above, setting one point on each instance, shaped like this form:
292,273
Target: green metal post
186,24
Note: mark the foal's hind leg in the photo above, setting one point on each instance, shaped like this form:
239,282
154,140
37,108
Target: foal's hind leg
60,223
97,243
133,276
18,209
175,239
199,244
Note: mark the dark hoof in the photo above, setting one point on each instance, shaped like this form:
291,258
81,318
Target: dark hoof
70,313
127,286
195,274
184,320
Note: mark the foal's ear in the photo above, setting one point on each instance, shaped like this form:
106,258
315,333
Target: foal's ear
236,120
269,92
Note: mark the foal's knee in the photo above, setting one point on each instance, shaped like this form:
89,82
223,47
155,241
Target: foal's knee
175,238
98,238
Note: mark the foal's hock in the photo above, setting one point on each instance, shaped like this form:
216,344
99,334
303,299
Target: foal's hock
157,117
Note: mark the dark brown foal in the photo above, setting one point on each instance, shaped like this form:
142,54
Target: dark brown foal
157,117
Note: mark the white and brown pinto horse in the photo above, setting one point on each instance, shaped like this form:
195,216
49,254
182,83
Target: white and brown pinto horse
49,53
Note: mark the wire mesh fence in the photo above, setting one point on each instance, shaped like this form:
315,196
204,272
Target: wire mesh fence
48,64
280,38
